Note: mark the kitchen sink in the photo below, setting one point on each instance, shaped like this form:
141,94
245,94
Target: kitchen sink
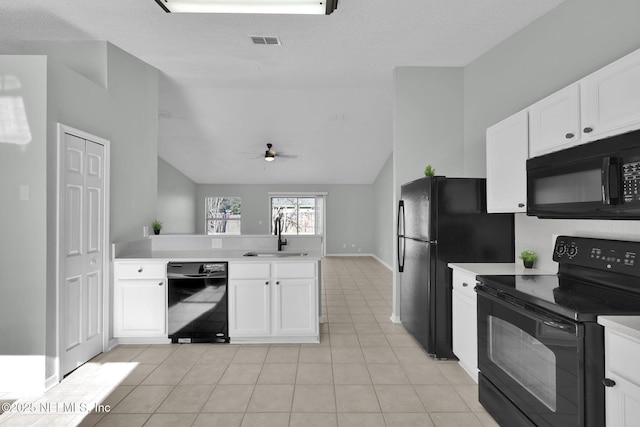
276,254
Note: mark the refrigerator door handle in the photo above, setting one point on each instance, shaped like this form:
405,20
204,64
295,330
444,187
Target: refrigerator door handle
400,234
400,226
401,252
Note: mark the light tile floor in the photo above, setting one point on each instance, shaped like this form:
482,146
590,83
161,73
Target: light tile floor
366,371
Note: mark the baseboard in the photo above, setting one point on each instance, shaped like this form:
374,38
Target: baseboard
348,255
390,268
51,382
395,318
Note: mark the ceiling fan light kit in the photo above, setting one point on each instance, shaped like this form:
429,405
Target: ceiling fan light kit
269,155
295,7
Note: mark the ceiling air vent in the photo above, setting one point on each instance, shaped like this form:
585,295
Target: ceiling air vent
274,41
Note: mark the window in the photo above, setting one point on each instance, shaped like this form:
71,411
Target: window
298,215
222,215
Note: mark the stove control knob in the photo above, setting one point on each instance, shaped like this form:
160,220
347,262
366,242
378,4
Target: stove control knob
561,248
607,382
572,251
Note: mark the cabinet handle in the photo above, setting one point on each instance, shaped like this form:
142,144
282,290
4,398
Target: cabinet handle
465,284
140,270
521,205
587,130
569,135
277,283
607,382
160,284
266,283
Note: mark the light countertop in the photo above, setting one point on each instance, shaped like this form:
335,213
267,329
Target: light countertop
628,325
214,255
507,268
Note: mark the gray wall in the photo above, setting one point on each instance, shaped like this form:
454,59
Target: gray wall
23,223
428,122
176,200
350,212
112,95
384,214
575,39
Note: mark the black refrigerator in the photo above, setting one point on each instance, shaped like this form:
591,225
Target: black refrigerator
442,220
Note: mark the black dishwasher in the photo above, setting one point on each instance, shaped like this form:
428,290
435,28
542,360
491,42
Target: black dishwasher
198,308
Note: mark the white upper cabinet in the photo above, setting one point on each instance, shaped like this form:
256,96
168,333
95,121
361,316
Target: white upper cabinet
611,99
554,122
507,149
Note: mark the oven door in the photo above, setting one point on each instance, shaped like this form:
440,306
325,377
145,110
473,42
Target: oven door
532,359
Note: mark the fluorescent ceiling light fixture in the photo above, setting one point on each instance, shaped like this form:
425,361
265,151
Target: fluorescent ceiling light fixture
296,7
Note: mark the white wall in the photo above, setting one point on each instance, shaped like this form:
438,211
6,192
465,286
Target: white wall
350,211
575,39
176,200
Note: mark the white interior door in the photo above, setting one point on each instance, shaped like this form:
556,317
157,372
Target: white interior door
82,235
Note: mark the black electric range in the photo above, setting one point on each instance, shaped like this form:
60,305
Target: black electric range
540,349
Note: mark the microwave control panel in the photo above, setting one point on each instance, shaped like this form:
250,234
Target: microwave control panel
631,181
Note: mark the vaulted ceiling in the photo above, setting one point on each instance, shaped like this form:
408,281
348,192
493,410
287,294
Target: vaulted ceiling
325,95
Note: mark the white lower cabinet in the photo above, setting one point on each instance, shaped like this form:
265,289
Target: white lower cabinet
273,302
140,300
464,322
622,394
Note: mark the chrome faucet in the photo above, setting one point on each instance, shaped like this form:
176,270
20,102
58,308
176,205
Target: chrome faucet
278,230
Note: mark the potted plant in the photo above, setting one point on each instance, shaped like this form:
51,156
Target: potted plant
528,257
157,226
429,171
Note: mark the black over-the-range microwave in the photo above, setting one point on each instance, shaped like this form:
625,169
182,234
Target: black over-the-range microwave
597,180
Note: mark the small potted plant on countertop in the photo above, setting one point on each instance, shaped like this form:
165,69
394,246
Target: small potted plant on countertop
528,257
429,171
157,226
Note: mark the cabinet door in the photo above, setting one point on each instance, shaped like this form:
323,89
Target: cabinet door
140,308
249,307
295,307
555,122
622,399
622,403
611,98
507,148
464,323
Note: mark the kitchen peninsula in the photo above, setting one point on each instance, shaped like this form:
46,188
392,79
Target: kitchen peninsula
273,296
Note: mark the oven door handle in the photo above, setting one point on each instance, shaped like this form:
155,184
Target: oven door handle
557,325
522,308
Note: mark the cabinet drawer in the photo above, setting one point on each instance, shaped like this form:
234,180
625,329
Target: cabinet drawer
622,355
285,270
465,284
140,270
249,270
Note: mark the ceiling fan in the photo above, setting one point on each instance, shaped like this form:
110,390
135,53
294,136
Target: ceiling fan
270,154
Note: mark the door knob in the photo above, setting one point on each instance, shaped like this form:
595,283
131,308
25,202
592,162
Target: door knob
587,130
569,135
608,382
